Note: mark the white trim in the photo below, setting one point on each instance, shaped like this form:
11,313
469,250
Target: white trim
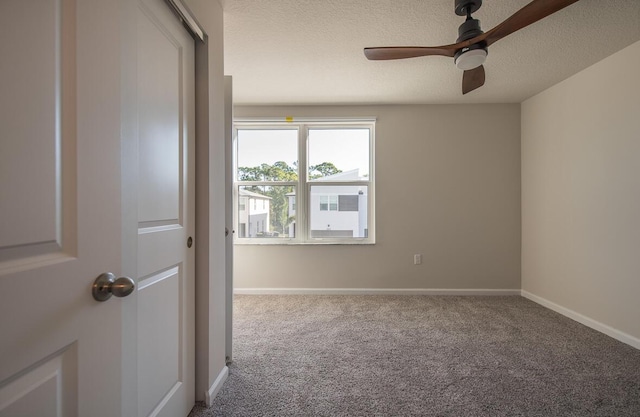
303,120
210,395
372,291
580,318
161,406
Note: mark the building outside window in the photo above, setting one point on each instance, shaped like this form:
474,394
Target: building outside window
250,221
313,180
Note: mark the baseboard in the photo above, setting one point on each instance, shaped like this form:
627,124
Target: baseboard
210,395
371,291
589,322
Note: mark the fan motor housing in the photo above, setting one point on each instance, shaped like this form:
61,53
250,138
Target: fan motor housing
462,6
469,30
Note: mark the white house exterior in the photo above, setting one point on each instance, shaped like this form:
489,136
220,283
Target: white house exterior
253,214
336,211
291,199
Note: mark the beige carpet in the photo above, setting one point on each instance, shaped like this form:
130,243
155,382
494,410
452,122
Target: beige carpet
421,356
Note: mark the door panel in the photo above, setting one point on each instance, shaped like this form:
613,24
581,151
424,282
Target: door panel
159,312
159,117
31,116
40,391
60,207
166,122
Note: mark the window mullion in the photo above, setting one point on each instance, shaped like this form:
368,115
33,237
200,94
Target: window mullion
303,192
265,183
346,183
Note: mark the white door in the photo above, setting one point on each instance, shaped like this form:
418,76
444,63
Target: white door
62,211
166,204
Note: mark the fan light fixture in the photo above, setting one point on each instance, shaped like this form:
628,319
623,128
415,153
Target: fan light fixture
471,59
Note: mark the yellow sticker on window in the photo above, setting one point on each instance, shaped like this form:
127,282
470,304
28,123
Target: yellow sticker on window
289,119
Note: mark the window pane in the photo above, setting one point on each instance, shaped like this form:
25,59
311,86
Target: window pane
349,203
266,211
267,155
324,202
344,214
333,203
338,154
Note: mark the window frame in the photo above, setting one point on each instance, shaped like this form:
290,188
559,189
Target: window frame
303,186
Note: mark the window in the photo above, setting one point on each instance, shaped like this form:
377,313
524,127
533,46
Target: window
333,203
348,202
328,203
314,179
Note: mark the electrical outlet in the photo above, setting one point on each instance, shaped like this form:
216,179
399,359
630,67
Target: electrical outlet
417,259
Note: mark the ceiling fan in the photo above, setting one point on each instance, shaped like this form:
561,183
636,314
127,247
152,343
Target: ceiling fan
470,50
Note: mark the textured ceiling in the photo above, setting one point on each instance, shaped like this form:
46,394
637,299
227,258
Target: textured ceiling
310,51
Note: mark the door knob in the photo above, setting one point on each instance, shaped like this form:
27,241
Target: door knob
107,285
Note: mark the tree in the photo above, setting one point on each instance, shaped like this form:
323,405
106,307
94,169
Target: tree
322,170
279,171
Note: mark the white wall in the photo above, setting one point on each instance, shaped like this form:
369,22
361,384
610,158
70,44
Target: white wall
447,187
581,195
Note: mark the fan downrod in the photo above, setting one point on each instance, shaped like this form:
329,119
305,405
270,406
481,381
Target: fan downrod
466,7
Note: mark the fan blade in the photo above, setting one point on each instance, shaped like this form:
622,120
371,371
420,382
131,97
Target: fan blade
472,79
400,52
531,13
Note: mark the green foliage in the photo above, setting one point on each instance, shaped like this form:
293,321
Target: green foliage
322,170
280,171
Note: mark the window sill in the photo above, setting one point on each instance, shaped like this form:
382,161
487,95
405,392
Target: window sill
294,243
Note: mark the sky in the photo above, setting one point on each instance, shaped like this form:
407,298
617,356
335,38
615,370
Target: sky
346,148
